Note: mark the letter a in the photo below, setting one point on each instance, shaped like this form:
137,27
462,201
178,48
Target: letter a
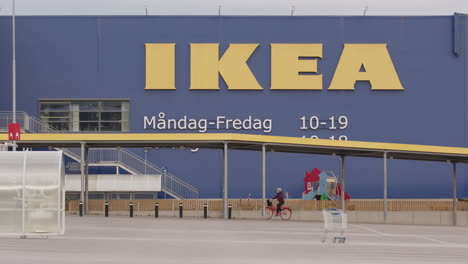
378,66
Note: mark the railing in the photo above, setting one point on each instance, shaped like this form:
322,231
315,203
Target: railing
29,124
135,164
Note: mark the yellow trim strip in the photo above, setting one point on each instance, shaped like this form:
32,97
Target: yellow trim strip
241,138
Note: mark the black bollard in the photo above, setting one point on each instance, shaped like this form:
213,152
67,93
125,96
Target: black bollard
205,211
106,209
156,210
131,209
229,211
81,208
181,207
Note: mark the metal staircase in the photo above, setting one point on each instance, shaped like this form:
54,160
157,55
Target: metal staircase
135,165
120,157
29,124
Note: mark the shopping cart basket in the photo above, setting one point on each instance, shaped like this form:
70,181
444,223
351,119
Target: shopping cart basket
335,224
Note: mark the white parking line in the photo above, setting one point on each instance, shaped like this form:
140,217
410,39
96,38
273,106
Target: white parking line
394,235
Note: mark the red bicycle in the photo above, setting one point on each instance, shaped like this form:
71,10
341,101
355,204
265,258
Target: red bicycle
285,212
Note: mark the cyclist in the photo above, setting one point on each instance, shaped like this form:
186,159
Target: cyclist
279,197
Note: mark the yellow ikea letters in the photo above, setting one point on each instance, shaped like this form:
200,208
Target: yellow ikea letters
377,65
160,66
293,67
286,66
204,67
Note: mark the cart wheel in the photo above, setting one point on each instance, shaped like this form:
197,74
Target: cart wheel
334,240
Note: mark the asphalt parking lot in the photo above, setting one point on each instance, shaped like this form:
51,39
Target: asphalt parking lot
95,239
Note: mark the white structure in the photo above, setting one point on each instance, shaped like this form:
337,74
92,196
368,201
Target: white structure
32,193
115,183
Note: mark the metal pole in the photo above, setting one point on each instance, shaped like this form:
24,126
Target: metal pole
86,205
454,193
263,181
146,158
82,195
13,17
385,188
342,157
225,192
23,211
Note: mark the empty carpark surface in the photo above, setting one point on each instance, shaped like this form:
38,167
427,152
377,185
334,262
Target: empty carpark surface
118,239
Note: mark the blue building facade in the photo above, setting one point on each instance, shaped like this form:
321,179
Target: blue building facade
103,58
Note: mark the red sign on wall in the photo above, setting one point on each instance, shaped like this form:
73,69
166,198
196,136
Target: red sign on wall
14,131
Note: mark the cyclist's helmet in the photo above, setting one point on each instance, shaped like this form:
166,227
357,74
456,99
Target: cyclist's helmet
278,190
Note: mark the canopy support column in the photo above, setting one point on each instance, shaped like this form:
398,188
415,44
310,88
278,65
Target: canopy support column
454,211
82,169
225,189
86,166
385,189
343,207
263,181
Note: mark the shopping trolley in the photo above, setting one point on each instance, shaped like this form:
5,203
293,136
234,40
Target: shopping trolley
335,224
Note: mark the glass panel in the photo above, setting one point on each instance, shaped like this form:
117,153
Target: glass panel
124,196
112,105
56,119
62,126
111,126
96,196
89,116
72,196
111,116
144,196
11,179
42,191
55,114
55,106
88,106
89,126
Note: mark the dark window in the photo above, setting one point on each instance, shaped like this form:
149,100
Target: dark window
144,196
62,126
89,126
55,107
86,116
88,106
111,105
124,196
111,116
96,196
111,126
72,196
